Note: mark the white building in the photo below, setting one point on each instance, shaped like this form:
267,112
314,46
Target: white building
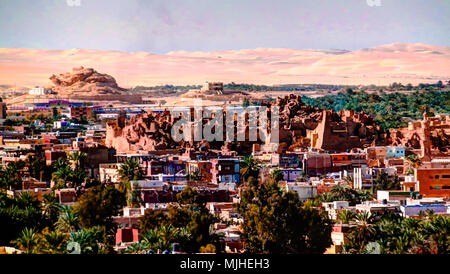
39,91
304,191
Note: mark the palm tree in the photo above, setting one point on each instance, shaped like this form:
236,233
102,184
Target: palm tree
53,242
346,216
27,241
51,206
150,237
137,248
77,159
163,237
89,239
130,170
437,227
62,176
68,221
276,175
364,230
60,163
250,168
77,177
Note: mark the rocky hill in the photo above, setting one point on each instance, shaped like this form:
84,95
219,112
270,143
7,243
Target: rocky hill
85,82
300,126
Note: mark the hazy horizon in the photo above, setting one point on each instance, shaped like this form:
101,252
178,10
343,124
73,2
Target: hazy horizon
381,65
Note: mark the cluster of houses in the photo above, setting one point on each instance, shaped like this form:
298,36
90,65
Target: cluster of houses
308,172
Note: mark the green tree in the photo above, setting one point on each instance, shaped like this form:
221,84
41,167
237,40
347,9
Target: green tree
152,219
98,205
276,222
276,175
27,241
130,170
77,159
346,216
51,207
67,221
385,182
249,168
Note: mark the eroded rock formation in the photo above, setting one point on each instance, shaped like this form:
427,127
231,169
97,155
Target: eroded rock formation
430,134
85,81
298,124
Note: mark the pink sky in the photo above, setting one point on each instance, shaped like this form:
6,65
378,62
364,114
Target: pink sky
406,63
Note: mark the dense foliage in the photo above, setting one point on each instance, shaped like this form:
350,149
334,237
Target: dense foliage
278,222
388,108
393,234
189,224
343,193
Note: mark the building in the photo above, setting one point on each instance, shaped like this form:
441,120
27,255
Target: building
53,155
333,208
286,159
109,172
290,174
363,177
216,87
339,237
396,195
317,163
395,152
80,112
125,237
348,161
66,195
39,91
304,191
37,193
225,171
203,168
378,209
433,182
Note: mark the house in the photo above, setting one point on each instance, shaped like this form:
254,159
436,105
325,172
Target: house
125,237
339,237
433,182
376,208
286,159
396,152
66,195
396,195
109,172
53,155
203,168
348,161
317,163
363,177
415,210
333,208
305,191
37,193
225,171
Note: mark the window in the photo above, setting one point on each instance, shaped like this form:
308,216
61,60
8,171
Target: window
436,176
446,187
446,176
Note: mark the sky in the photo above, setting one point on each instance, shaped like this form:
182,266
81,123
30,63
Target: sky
163,26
